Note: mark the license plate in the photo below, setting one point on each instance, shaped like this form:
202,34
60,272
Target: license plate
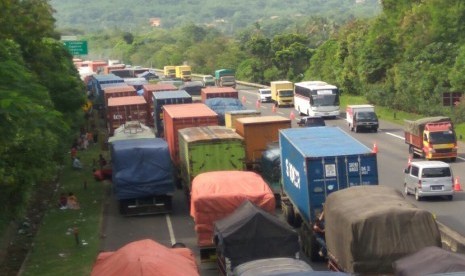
436,188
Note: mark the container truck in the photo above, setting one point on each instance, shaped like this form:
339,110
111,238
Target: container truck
95,88
218,92
368,228
221,105
314,163
431,138
123,109
163,98
148,96
225,77
215,195
142,176
282,93
362,117
258,132
231,116
209,148
169,71
178,116
118,91
183,72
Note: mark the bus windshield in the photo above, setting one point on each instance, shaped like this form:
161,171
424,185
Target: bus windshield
324,100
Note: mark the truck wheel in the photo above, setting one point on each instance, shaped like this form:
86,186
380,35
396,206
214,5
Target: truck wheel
406,192
288,212
417,195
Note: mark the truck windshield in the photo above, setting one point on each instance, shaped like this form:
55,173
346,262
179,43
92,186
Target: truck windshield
442,137
369,116
324,100
286,93
436,172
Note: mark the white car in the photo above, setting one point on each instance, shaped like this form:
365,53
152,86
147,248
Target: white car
265,95
429,178
208,80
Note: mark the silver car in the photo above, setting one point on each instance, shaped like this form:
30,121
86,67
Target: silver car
429,178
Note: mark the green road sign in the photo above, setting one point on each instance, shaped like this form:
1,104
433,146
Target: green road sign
76,47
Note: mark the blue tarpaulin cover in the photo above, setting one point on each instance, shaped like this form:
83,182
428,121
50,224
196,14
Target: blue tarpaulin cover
141,168
221,105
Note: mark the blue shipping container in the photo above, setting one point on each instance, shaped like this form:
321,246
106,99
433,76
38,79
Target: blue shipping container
96,91
320,160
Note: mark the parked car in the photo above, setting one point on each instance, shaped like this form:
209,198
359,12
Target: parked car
265,95
429,178
208,80
311,121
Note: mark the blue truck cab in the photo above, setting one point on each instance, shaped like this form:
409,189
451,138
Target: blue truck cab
314,163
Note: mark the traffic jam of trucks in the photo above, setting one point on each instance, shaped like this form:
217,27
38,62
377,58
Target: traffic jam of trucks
236,165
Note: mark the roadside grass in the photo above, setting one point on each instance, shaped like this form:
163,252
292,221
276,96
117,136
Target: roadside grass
394,116
55,251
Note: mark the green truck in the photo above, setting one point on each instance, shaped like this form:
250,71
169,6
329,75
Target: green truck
225,78
209,148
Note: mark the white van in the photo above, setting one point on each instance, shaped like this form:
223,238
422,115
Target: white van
265,95
429,178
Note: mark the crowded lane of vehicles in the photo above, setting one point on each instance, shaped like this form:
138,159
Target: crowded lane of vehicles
256,153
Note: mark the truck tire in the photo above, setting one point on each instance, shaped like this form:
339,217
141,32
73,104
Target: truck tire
288,212
411,151
356,129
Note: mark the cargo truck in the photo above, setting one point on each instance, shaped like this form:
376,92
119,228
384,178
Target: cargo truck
282,93
123,109
149,89
163,98
169,71
118,91
215,195
183,72
218,92
368,228
209,148
178,116
222,105
362,117
258,132
225,77
142,176
314,163
231,116
431,138
95,90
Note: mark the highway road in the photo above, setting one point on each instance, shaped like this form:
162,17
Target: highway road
392,159
179,227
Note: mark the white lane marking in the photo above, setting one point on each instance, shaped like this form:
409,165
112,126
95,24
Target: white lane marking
170,229
403,138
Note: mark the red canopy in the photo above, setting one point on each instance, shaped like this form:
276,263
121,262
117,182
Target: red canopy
146,257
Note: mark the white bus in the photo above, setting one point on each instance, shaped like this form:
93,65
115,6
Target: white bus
316,98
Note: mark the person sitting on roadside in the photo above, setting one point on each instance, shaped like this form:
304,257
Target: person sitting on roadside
63,201
77,163
72,202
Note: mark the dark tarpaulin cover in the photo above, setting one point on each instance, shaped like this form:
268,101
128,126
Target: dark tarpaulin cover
221,105
250,233
141,168
369,227
416,127
430,260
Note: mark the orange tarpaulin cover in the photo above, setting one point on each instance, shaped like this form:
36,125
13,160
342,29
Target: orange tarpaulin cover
146,257
215,195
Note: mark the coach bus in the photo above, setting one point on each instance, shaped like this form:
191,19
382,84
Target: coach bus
316,98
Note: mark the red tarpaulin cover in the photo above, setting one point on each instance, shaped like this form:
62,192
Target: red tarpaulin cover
215,195
146,257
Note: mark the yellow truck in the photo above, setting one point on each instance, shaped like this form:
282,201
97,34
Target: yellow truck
183,72
169,71
282,93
